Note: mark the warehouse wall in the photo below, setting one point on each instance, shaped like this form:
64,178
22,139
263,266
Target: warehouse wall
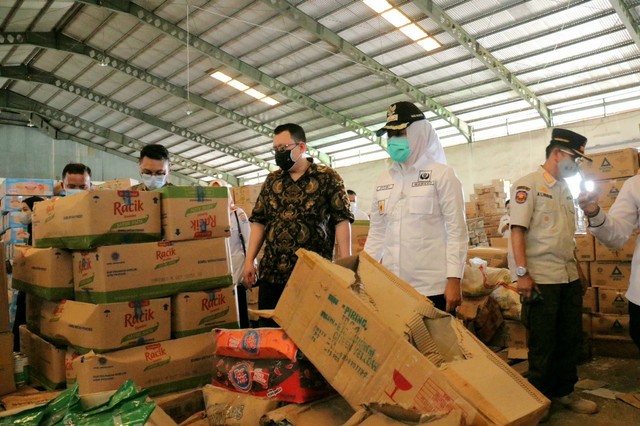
508,157
28,153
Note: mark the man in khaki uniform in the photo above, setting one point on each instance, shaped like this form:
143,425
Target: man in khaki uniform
542,238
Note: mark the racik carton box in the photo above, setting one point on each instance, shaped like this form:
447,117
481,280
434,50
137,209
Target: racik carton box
96,218
108,326
145,271
43,272
194,212
201,311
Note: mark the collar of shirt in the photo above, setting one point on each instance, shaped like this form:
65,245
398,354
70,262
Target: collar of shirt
420,164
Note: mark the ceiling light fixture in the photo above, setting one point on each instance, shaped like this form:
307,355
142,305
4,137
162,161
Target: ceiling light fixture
220,76
104,62
404,24
30,124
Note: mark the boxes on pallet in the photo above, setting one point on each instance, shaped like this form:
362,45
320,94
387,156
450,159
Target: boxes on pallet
610,325
194,212
96,218
356,335
612,164
108,326
585,247
612,301
46,272
149,270
201,311
46,361
608,190
28,187
610,274
161,367
590,300
624,253
584,266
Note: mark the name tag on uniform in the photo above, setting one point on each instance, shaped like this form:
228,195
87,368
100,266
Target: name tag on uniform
384,187
414,184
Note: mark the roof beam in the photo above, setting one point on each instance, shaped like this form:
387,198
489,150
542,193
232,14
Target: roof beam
473,46
358,56
627,19
56,134
61,42
9,99
222,57
28,73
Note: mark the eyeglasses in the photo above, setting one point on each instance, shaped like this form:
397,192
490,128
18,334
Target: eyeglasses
283,148
578,160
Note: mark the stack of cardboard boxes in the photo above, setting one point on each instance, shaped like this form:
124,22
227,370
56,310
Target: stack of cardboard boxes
7,382
487,202
606,320
106,296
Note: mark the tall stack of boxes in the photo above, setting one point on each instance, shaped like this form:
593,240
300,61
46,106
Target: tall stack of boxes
107,300
484,211
606,320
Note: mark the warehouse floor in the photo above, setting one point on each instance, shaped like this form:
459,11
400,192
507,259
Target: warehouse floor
621,375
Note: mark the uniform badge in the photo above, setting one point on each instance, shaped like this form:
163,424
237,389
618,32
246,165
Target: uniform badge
424,175
521,197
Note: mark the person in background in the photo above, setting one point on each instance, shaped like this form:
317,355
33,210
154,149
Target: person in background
21,299
302,205
353,200
238,240
154,168
418,228
76,177
542,238
614,229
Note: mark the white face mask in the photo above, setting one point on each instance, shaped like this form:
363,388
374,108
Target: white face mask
153,182
24,218
353,206
73,191
567,168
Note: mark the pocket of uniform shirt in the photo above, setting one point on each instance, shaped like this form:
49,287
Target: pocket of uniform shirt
421,205
547,219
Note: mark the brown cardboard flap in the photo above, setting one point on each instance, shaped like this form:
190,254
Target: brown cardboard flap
332,411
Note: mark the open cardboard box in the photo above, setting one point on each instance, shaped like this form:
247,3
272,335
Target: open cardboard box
355,321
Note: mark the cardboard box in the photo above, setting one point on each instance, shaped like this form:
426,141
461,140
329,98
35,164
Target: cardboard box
116,184
499,242
7,380
610,325
11,203
612,301
586,270
585,247
194,212
46,361
265,362
245,196
108,326
612,164
622,254
33,308
95,218
11,220
4,294
356,335
610,274
495,257
608,190
481,316
163,367
43,272
17,235
331,411
202,311
590,300
150,270
234,409
70,355
181,405
587,326
517,334
359,232
12,186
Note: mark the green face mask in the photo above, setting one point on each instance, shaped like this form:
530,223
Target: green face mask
398,148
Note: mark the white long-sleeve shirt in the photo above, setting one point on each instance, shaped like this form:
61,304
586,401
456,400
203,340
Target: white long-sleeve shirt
613,229
418,226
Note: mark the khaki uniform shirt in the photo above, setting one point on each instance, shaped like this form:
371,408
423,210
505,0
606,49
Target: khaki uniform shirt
544,206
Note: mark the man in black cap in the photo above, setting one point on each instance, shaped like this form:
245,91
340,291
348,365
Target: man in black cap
542,238
418,229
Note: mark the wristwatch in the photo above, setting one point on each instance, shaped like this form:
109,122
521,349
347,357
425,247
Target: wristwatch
521,271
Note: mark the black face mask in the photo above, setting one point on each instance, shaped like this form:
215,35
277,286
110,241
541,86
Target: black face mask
284,161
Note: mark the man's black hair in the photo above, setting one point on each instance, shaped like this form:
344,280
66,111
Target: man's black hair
155,152
297,132
76,169
351,192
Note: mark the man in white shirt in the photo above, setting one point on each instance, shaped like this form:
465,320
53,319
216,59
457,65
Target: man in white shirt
614,229
418,227
353,200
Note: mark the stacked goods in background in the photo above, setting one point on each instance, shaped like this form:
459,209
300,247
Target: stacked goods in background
12,192
107,300
486,203
7,382
605,317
